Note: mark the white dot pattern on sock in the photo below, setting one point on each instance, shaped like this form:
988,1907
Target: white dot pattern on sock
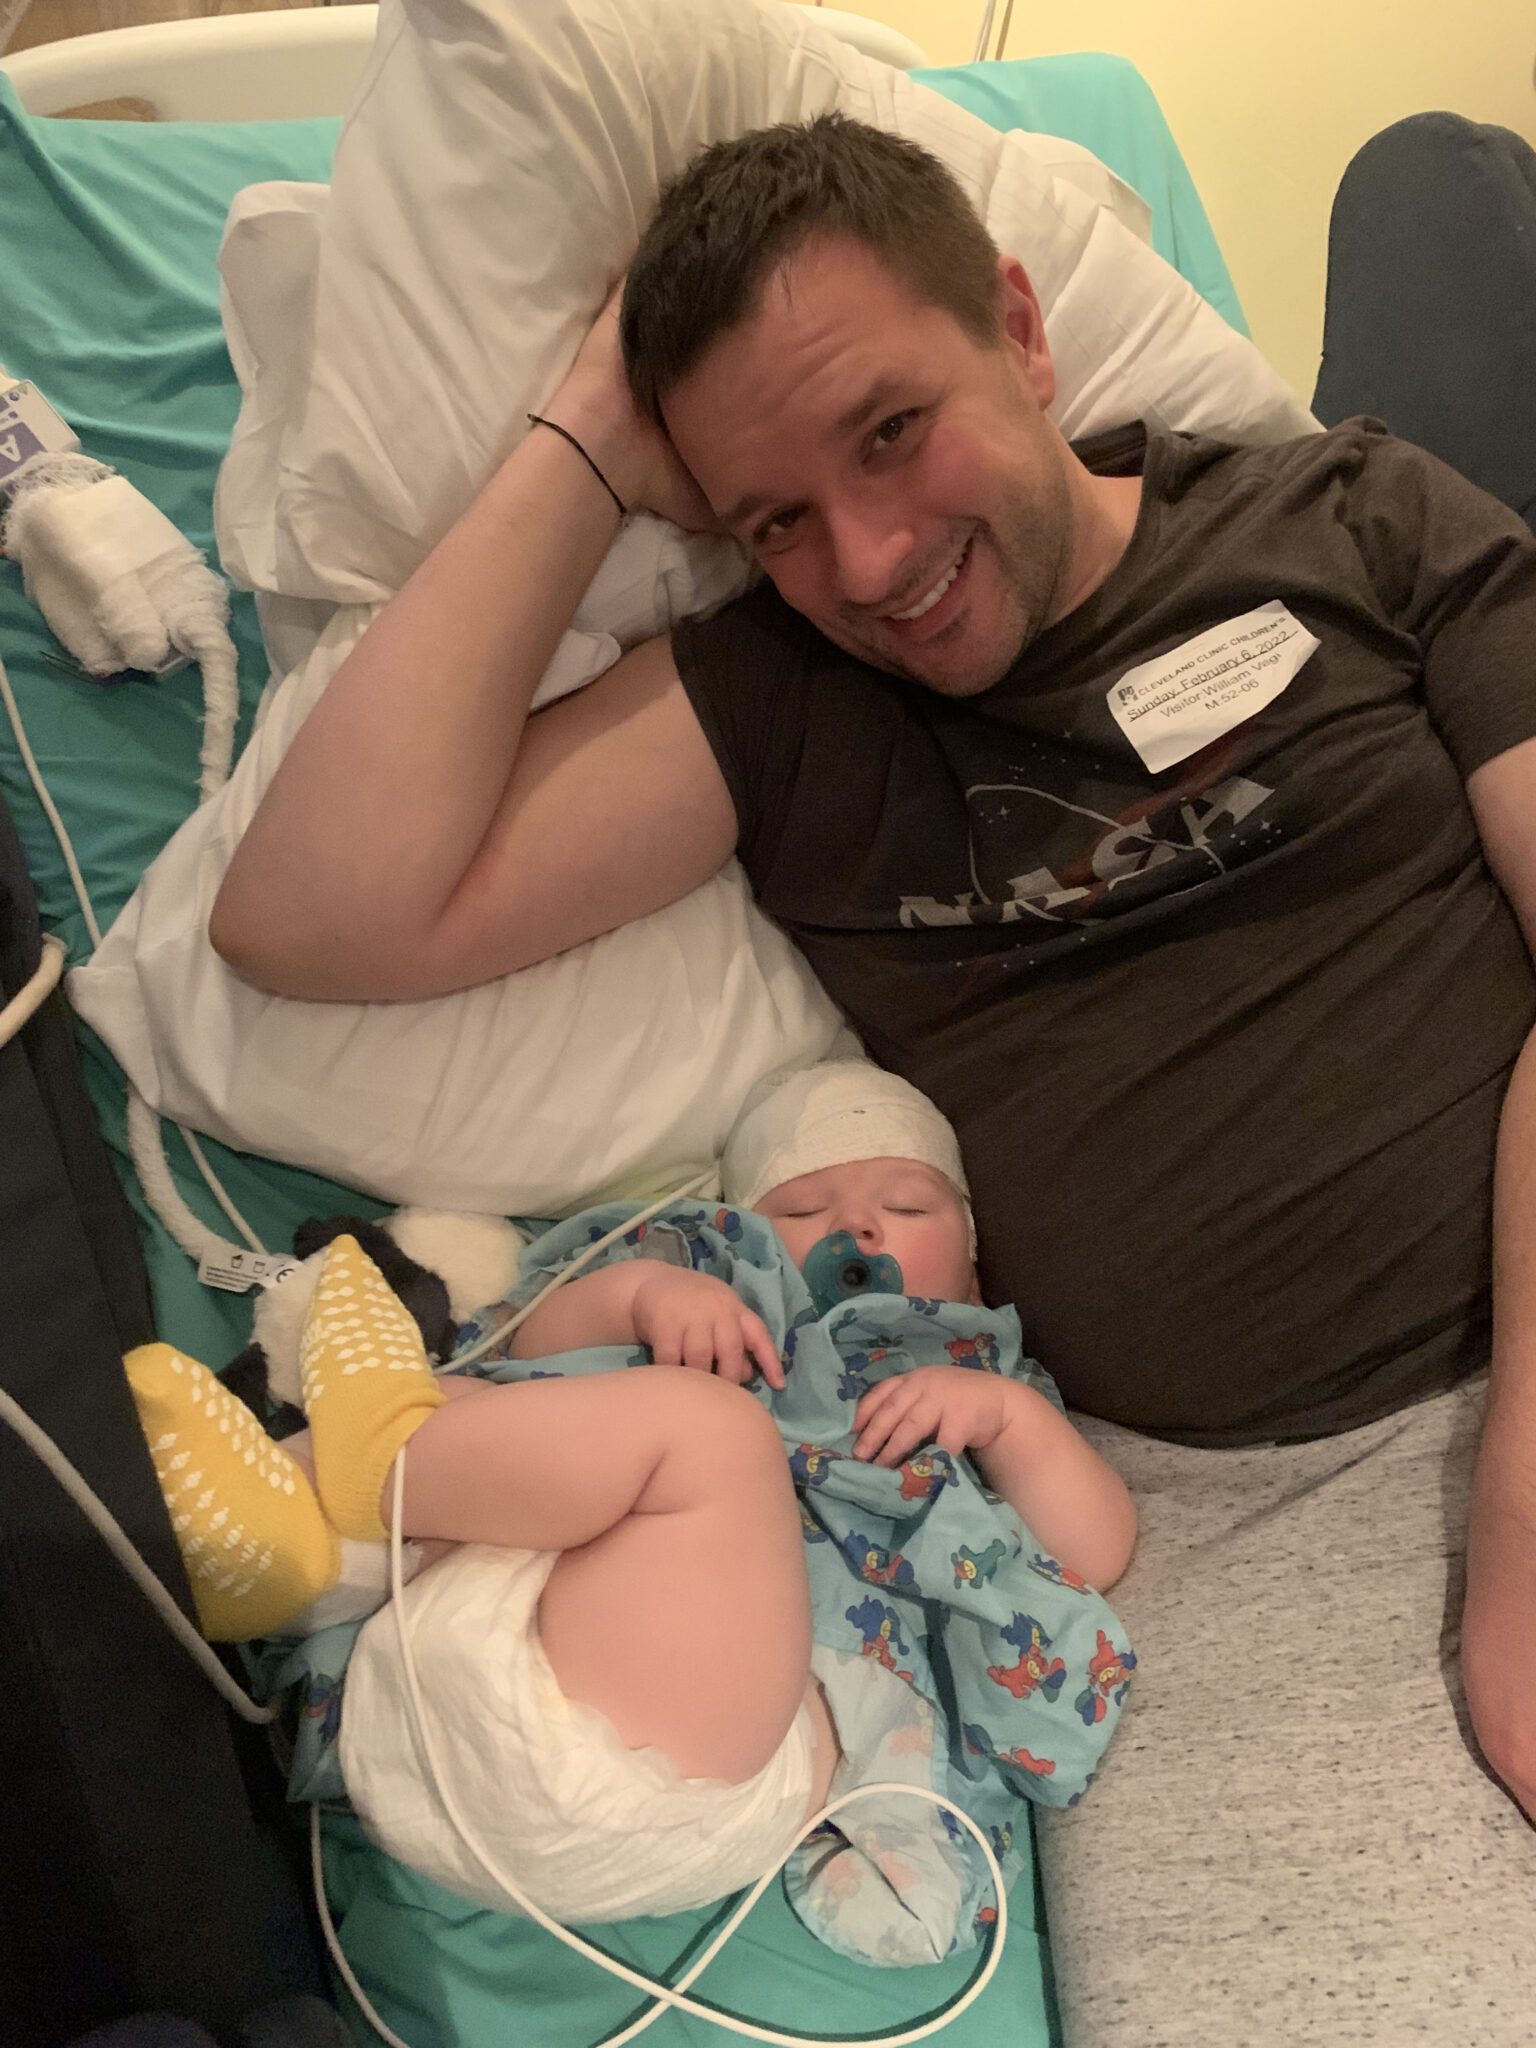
252,1444
356,1323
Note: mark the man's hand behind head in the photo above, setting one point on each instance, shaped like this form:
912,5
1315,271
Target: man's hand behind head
595,405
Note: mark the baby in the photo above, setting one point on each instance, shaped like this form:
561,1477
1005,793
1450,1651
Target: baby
618,1516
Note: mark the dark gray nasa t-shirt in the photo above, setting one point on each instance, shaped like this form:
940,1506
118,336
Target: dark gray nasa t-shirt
1225,1043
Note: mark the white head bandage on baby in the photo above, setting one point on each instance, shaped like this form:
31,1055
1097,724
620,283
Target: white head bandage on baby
816,1117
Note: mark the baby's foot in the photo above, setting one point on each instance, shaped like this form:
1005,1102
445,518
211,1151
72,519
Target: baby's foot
367,1386
255,1543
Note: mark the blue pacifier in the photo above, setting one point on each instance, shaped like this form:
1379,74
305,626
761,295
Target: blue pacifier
836,1270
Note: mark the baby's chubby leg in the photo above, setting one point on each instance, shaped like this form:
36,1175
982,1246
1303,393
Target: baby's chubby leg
679,1606
301,1449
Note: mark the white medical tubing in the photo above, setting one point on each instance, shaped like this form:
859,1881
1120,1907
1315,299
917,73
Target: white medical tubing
35,777
28,1000
568,1272
145,1144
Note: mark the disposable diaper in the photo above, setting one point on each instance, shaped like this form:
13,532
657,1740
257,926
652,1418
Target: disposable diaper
591,1830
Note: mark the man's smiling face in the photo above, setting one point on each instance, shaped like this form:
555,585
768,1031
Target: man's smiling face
896,478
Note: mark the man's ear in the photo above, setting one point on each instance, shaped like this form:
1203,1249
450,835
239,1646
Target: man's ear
1024,328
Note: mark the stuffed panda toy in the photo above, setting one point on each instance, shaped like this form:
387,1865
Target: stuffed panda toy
442,1266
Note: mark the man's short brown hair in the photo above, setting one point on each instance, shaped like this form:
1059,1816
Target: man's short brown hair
743,207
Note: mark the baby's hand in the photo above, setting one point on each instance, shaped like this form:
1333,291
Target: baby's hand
957,1407
690,1319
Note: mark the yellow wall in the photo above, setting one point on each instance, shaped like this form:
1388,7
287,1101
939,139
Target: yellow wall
1269,102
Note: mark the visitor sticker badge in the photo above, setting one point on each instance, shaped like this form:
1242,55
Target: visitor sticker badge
1172,707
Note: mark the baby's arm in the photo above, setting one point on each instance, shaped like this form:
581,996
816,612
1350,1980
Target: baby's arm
597,1308
1075,1504
685,1318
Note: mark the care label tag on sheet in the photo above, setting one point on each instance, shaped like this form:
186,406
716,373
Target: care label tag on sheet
1172,707
237,1272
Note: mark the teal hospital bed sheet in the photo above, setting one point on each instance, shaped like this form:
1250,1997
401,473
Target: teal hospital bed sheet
109,300
1105,104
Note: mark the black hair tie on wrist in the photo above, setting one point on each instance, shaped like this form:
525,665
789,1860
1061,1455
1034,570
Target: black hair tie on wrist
538,420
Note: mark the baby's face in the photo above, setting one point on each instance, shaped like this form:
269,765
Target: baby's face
897,1206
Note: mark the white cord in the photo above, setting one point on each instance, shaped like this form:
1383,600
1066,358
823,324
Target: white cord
217,1188
35,776
28,1000
668,1997
568,1272
112,1534
145,1143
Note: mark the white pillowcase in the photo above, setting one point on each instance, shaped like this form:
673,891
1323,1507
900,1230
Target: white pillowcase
616,1068
651,577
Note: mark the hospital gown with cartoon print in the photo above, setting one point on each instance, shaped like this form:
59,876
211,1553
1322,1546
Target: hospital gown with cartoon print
955,1653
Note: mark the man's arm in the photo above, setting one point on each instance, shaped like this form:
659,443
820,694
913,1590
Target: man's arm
423,833
1498,1641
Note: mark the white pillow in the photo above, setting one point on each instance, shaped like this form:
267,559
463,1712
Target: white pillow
652,576
267,262
492,178
616,1068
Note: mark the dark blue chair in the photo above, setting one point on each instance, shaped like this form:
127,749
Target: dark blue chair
1430,322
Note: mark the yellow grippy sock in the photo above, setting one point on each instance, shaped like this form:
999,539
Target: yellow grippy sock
367,1386
255,1544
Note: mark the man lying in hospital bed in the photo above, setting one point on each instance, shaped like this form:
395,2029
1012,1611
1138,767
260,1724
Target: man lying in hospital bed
350,520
